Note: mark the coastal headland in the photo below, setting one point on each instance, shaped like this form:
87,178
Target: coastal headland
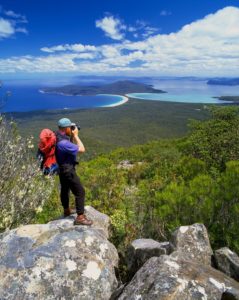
119,87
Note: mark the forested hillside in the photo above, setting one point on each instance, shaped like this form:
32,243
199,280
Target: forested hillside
147,190
105,129
150,189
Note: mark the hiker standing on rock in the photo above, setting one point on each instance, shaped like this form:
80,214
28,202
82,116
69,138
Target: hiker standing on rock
67,147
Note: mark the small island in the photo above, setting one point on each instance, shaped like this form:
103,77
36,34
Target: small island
118,87
224,81
232,99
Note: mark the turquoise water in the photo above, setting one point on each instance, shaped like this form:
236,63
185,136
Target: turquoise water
186,90
185,98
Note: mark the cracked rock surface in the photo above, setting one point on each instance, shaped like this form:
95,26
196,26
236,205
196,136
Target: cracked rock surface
193,242
58,261
170,278
185,274
227,261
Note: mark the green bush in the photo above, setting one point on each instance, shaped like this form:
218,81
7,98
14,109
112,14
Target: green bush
23,188
166,184
215,141
172,183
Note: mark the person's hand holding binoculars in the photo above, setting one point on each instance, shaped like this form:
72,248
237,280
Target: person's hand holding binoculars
74,130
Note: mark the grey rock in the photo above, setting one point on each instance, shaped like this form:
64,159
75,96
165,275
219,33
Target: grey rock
166,277
117,292
125,164
131,190
100,221
193,243
230,294
58,261
140,250
227,262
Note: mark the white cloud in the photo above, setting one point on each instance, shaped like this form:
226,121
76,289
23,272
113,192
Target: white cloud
6,28
54,48
112,27
117,30
20,18
81,48
132,29
21,29
124,60
9,24
110,51
148,31
12,14
209,46
68,47
142,29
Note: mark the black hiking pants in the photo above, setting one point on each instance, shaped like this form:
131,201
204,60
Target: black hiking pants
71,182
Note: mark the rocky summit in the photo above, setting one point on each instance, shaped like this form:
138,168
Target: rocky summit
166,277
61,261
184,274
58,261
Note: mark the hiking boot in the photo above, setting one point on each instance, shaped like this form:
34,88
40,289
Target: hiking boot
82,220
67,212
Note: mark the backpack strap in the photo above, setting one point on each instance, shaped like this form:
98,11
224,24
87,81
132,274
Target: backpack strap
60,137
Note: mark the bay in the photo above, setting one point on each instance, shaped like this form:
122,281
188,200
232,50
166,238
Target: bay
187,91
28,98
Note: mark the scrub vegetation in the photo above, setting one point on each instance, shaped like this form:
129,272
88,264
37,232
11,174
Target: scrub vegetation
147,189
150,189
23,189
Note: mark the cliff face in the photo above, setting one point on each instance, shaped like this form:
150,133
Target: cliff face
58,261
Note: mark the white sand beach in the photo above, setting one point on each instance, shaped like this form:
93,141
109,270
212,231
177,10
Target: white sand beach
122,101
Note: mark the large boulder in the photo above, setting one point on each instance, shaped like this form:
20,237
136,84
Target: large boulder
166,277
101,221
58,261
227,262
193,243
140,250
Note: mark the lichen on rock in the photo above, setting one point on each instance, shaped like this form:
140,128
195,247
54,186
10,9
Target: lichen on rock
58,261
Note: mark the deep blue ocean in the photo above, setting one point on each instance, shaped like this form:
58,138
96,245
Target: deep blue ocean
28,98
25,95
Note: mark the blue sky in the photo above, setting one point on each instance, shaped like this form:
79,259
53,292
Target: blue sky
106,37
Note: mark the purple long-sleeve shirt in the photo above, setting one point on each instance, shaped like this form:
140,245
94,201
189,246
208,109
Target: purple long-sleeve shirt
66,152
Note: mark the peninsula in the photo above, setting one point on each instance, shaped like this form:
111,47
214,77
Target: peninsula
118,87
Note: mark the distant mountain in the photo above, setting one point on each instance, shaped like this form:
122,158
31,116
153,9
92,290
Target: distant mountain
119,87
224,81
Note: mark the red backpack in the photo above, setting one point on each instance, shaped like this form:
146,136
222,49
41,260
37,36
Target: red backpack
46,152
